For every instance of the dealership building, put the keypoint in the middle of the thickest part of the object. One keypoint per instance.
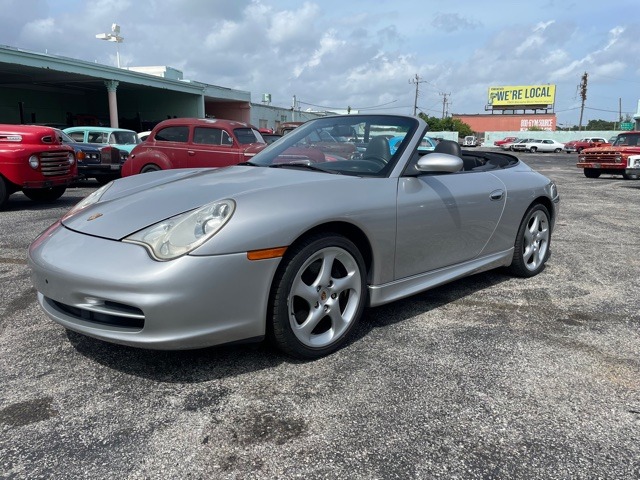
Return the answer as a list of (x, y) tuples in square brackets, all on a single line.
[(60, 91)]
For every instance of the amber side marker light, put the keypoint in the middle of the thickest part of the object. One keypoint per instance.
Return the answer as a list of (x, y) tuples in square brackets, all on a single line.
[(266, 253)]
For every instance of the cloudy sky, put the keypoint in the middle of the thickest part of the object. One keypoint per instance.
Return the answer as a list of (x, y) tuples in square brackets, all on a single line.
[(359, 53)]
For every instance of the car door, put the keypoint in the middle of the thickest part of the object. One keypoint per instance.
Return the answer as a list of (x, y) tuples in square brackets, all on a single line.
[(173, 142), (547, 146), (212, 147), (445, 219)]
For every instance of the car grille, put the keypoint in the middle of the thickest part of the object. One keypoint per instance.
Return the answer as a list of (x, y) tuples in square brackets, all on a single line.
[(110, 313), (54, 163), (613, 157)]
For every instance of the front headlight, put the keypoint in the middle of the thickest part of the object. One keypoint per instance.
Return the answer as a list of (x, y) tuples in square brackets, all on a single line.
[(179, 235)]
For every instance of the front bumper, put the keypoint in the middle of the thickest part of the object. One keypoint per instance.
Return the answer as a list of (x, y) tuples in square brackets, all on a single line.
[(115, 292), (48, 183), (617, 167), (93, 170)]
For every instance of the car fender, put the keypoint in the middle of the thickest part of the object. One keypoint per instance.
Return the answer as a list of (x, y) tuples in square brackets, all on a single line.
[(137, 160)]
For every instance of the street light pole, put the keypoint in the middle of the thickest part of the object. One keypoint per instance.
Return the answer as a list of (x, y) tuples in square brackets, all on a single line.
[(114, 36)]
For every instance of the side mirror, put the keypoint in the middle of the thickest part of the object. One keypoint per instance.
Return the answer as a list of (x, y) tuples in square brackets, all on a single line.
[(439, 162)]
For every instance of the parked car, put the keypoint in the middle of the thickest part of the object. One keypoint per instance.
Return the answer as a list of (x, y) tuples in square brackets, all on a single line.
[(427, 144), (509, 145), (34, 160), (120, 138), (520, 145), (498, 143), (542, 145), (612, 159), (269, 138), (194, 143), (587, 142), (470, 141), (102, 162), (289, 246), (632, 169), (142, 136), (287, 127)]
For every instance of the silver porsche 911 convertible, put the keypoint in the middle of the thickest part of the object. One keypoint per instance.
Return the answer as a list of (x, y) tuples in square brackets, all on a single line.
[(293, 245)]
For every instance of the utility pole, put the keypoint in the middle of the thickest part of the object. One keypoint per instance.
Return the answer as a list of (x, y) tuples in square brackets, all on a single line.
[(293, 108), (583, 96), (417, 81), (620, 109), (445, 111)]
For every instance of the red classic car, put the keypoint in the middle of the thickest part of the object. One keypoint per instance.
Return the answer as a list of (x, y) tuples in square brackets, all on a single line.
[(587, 142), (497, 143), (194, 143), (33, 159)]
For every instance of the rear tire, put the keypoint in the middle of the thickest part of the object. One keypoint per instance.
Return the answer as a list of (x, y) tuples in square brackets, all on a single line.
[(532, 242), (150, 168), (318, 296), (44, 194), (630, 176), (591, 173)]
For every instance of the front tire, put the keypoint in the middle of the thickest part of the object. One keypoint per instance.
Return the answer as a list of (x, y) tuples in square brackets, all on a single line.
[(318, 296), (44, 194), (4, 192), (533, 149), (532, 242), (630, 176), (591, 173)]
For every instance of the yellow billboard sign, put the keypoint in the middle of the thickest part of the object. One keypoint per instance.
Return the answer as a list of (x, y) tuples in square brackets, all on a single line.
[(522, 95)]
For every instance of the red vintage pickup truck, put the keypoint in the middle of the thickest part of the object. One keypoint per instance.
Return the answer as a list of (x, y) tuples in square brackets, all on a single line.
[(612, 159), (35, 161)]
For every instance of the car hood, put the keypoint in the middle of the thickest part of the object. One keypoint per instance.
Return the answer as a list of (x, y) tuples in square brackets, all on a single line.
[(133, 203), (611, 149)]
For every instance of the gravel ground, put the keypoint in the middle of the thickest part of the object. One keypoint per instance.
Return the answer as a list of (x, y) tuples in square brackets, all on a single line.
[(489, 377)]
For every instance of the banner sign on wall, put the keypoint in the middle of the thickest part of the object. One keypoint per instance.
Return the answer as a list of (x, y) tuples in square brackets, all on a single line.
[(522, 95)]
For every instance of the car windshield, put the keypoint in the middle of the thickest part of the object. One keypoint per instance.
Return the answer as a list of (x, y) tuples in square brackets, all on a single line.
[(628, 139), (64, 138), (124, 137), (350, 144), (246, 136)]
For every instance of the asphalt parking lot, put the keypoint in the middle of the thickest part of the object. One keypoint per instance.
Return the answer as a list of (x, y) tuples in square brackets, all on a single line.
[(489, 377)]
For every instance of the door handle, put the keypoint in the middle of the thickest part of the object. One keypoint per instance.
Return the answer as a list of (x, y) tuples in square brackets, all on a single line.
[(496, 195), (191, 152)]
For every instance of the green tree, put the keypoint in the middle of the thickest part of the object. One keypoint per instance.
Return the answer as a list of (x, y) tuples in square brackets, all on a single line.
[(600, 125), (448, 124)]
